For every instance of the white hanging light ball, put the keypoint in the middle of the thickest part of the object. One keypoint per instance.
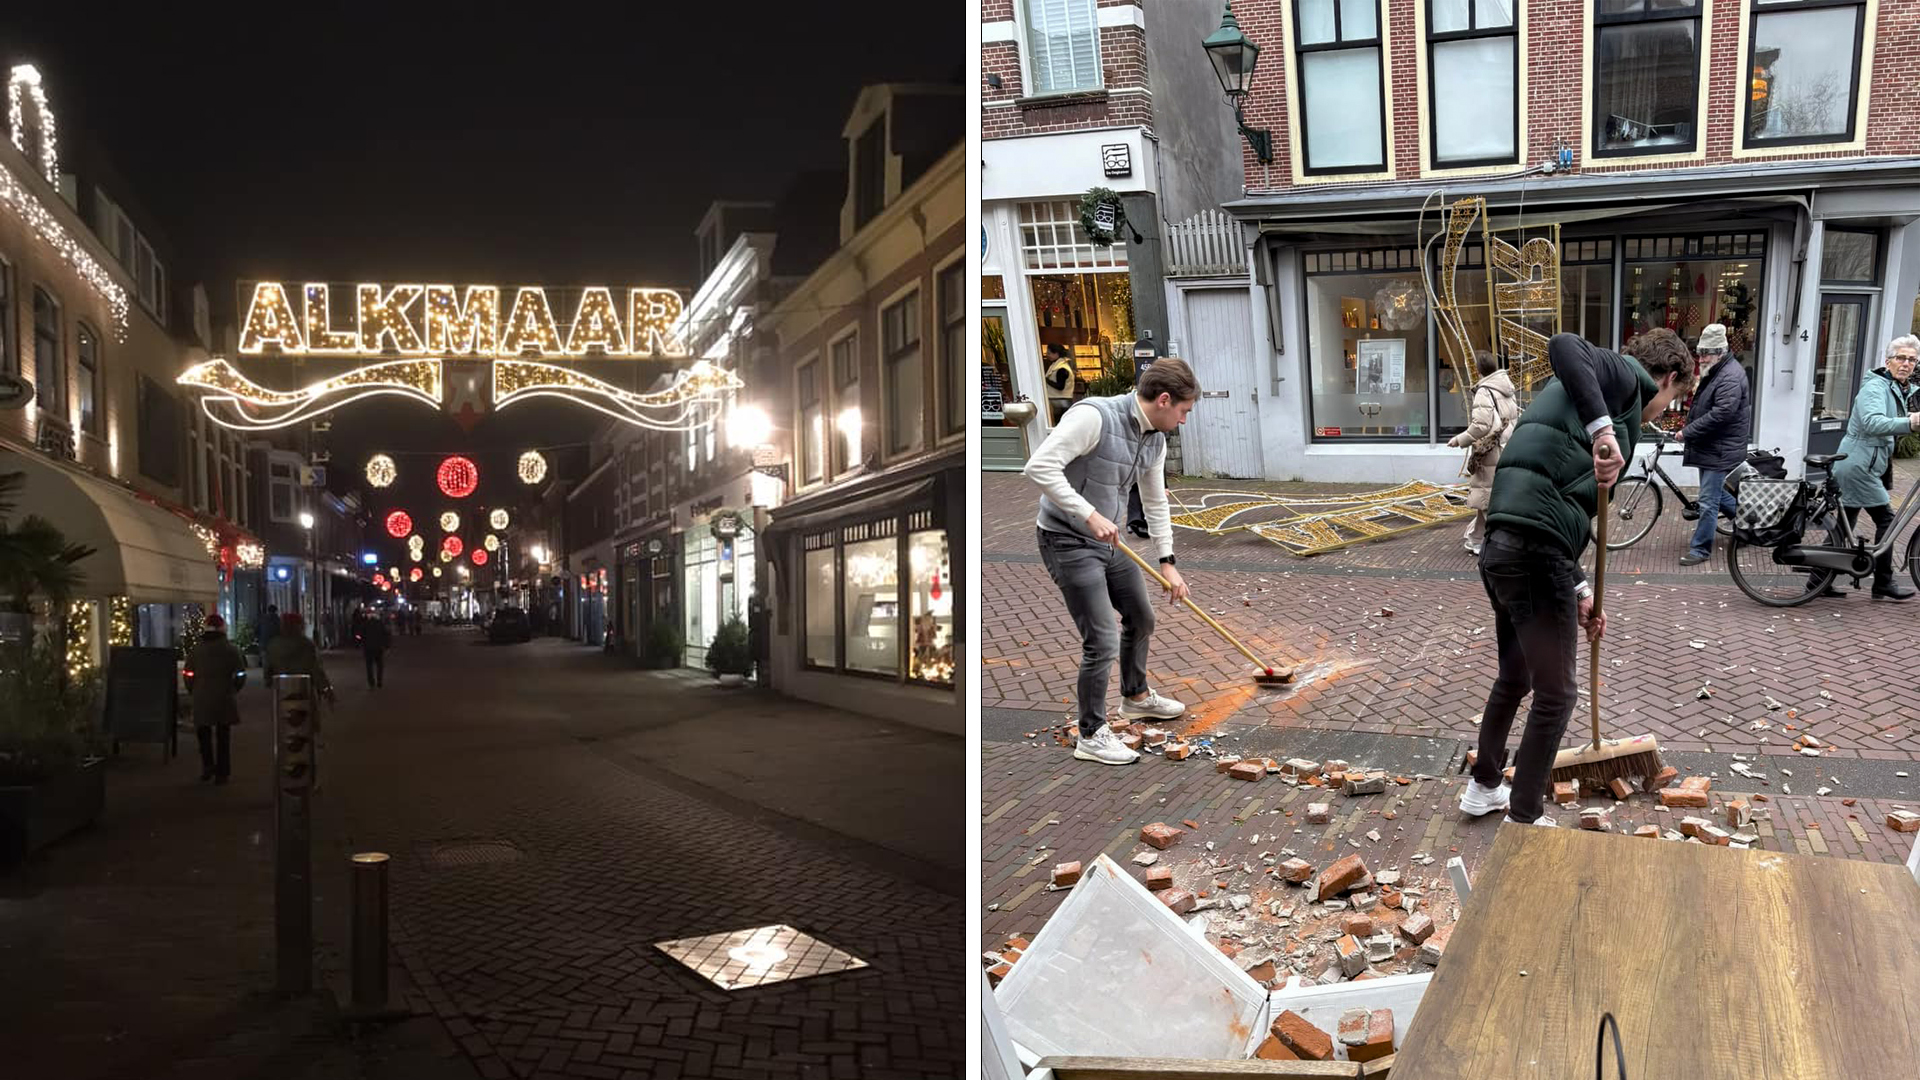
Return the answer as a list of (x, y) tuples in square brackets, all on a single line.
[(381, 470), (533, 467), (449, 522), (498, 519), (416, 555), (491, 543)]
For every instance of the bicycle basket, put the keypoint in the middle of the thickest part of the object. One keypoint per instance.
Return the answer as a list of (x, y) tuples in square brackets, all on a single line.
[(1770, 511)]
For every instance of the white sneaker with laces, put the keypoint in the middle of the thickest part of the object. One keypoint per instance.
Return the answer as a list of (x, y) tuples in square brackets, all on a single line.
[(1104, 747), (1541, 820), (1477, 800), (1151, 706)]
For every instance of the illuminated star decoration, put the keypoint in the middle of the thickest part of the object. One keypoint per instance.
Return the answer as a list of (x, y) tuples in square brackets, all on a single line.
[(533, 467), (667, 410), (399, 524), (233, 400), (449, 522), (498, 519), (458, 477), (381, 470)]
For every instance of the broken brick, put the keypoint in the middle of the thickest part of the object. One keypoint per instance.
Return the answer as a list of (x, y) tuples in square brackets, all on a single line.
[(1302, 1037), (1262, 972), (1272, 1049), (1339, 876), (1702, 784), (1849, 802), (1565, 792), (1247, 770), (1225, 761), (1297, 871), (1352, 1030), (1358, 925), (1379, 1038), (1131, 742), (1353, 958), (1390, 898), (1179, 901), (1190, 823), (1299, 767), (1620, 788), (1335, 765), (1432, 949), (1417, 929), (1319, 813), (1759, 798), (1903, 821), (1652, 831), (1161, 835), (1597, 819), (1694, 826), (1738, 812), (1178, 751), (1066, 873), (998, 972), (1365, 785), (1159, 877), (1714, 834), (1156, 737), (1683, 797), (1667, 775)]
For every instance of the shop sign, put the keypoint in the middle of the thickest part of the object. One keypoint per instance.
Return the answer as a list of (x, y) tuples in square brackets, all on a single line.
[(656, 547), (726, 525), (1326, 432), (1116, 159)]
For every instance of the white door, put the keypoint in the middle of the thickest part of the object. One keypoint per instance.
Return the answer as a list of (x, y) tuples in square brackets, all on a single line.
[(1222, 437)]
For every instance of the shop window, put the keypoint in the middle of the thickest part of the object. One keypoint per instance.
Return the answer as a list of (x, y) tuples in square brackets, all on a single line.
[(996, 367), (821, 584), (1338, 48), (87, 353), (930, 659), (900, 344), (1683, 283), (49, 374), (1063, 46), (844, 439), (1473, 71), (813, 431), (1804, 71), (953, 344), (1367, 344), (1586, 290), (1646, 78), (870, 172), (871, 593), (1849, 257), (1084, 319), (162, 434)]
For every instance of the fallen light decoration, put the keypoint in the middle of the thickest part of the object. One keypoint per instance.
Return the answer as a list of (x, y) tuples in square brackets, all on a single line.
[(232, 400), (381, 470), (399, 524), (458, 477)]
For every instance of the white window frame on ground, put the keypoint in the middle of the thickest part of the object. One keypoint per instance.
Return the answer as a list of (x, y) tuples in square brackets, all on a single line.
[(86, 355), (842, 375), (893, 355), (1341, 42), (1043, 23), (1759, 10), (49, 374), (805, 371), (1648, 13), (950, 344), (899, 527), (1482, 26)]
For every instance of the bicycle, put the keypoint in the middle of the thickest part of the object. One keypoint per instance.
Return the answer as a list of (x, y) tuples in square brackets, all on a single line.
[(1790, 574), (1635, 501)]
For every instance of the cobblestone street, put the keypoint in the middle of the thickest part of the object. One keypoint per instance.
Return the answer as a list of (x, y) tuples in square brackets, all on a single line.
[(1396, 652)]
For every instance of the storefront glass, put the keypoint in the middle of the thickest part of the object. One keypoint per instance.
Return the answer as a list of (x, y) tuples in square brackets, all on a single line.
[(1082, 319), (1683, 283), (719, 577), (931, 657), (820, 583), (1367, 344), (872, 598), (1586, 290)]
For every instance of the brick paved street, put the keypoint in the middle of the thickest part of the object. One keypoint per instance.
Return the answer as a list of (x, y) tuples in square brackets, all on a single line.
[(642, 806), (1403, 693)]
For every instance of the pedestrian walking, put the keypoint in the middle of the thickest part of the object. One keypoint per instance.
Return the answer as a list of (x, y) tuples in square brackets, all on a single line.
[(1715, 434), (1059, 379), (1578, 433), (1100, 448), (1882, 412), (269, 626), (375, 639), (1494, 412), (215, 671)]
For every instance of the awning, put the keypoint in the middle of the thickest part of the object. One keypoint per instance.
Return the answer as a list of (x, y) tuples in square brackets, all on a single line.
[(140, 551), (858, 502)]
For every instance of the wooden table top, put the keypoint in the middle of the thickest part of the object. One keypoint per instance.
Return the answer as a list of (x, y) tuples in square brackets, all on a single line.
[(1717, 963)]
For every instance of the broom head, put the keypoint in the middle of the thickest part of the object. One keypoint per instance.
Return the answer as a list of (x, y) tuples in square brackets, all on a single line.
[(1637, 757)]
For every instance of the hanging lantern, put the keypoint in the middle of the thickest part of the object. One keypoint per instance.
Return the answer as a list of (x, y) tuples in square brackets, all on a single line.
[(498, 519), (381, 471), (399, 524), (458, 477), (491, 543), (479, 557), (449, 522), (533, 467)]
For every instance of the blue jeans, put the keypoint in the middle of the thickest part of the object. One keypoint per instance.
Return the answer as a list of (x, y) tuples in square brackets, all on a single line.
[(1713, 500)]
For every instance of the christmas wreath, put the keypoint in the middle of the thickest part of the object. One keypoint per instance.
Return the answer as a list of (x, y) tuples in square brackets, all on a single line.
[(1101, 215)]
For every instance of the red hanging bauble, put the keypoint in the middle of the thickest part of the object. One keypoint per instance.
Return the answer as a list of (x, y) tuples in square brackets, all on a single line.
[(458, 477), (935, 590), (399, 524), (479, 556), (452, 546)]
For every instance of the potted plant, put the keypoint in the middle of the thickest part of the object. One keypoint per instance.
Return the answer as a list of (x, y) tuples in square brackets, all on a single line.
[(730, 657), (664, 645)]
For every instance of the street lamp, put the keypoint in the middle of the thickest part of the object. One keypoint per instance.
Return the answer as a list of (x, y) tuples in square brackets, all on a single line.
[(1233, 57), (313, 580)]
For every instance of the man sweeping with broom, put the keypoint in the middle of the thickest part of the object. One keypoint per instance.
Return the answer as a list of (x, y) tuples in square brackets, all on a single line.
[(1100, 448), (1578, 433)]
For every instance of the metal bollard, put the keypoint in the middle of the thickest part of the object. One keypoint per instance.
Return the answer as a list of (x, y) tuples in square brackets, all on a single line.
[(369, 932)]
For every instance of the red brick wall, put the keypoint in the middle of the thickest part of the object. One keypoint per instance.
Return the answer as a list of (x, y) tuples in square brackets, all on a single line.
[(1123, 63), (1555, 33)]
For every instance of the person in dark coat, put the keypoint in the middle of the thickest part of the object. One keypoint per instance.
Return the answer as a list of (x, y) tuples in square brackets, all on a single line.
[(215, 670), (269, 627), (1715, 434), (375, 639)]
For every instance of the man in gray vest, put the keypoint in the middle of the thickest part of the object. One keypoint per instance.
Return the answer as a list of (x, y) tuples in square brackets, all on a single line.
[(1100, 448)]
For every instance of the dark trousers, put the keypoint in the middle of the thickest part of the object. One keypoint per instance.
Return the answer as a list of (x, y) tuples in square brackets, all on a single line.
[(1882, 518), (1537, 627), (1136, 514), (216, 748), (376, 666), (1096, 580)]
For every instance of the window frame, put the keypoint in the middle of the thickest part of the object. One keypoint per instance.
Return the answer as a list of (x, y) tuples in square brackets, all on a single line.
[(839, 391), (1754, 9), (1024, 26), (1647, 14), (54, 402), (910, 293), (1877, 263), (1473, 33), (949, 360), (94, 384), (804, 479), (1390, 249), (904, 523), (1378, 43)]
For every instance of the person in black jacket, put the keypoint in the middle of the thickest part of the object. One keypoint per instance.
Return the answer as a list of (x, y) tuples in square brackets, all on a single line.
[(1715, 434), (375, 639)]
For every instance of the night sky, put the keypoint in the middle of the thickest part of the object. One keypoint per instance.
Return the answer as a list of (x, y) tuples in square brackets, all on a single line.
[(559, 144)]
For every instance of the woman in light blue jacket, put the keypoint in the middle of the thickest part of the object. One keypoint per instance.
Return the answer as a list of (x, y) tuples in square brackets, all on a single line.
[(1882, 412)]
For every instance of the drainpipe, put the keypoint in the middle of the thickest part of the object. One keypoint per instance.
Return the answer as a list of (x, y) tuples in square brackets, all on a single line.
[(1802, 227)]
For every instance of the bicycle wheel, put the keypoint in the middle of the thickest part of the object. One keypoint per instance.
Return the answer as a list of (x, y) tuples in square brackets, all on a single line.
[(1913, 558), (1632, 508), (1759, 576)]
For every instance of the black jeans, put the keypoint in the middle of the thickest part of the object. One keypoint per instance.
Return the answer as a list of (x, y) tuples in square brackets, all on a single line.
[(216, 748), (1537, 627), (1136, 513), (1882, 517), (376, 667), (1096, 580)]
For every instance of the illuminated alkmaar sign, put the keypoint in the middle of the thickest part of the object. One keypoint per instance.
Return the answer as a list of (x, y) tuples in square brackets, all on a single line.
[(450, 321)]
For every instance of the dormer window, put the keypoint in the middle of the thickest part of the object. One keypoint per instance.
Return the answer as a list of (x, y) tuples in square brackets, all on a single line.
[(870, 172)]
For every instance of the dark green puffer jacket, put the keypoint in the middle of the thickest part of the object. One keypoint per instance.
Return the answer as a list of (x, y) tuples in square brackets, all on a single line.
[(1544, 482)]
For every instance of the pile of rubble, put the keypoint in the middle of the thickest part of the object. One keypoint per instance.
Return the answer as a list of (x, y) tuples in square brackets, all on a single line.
[(1363, 1035)]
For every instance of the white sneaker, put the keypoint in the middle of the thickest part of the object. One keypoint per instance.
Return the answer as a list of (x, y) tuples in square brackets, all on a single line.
[(1473, 549), (1541, 820), (1477, 800), (1104, 747), (1151, 706)]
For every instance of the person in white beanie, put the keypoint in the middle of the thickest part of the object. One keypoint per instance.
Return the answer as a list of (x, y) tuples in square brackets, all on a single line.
[(1715, 433)]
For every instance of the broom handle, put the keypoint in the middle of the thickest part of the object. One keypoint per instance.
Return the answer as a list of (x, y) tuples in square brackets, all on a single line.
[(1208, 619), (1599, 589)]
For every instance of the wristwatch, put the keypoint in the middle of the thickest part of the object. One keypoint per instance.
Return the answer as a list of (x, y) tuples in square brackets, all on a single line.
[(1166, 560), (1583, 590)]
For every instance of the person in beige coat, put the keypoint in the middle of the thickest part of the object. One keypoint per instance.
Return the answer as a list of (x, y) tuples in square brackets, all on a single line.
[(1494, 413)]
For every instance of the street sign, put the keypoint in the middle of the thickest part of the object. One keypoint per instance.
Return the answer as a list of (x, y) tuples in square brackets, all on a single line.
[(15, 392), (725, 525)]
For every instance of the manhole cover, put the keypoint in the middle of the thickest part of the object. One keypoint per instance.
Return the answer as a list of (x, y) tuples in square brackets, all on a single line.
[(757, 957), (470, 853)]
